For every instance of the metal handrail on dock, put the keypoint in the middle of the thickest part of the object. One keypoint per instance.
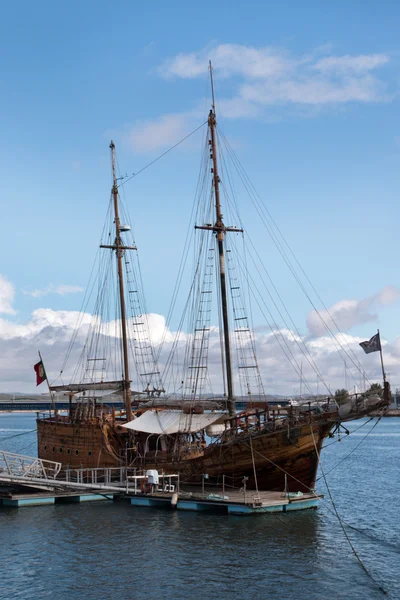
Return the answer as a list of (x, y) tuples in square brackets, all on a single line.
[(116, 475), (19, 465), (122, 476), (154, 489)]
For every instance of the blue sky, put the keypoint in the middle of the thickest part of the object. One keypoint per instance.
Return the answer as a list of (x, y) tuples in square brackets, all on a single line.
[(321, 143)]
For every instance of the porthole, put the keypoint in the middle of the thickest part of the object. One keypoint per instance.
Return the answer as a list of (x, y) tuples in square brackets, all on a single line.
[(45, 447), (61, 450), (68, 451), (90, 453), (54, 449), (76, 452)]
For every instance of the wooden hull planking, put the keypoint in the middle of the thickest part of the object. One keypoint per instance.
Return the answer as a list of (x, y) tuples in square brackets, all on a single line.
[(276, 454), (76, 445)]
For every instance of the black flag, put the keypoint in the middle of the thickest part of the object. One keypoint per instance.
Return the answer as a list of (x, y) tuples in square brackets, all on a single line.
[(372, 345)]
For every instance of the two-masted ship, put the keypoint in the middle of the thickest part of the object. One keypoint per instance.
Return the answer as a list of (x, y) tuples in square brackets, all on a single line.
[(184, 429)]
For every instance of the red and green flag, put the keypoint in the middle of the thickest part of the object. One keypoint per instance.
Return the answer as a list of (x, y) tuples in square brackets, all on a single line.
[(40, 373)]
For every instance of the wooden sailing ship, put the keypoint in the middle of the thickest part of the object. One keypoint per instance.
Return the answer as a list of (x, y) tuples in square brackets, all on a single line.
[(272, 449)]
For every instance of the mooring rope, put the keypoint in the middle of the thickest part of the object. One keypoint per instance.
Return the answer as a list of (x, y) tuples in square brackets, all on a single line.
[(10, 437), (354, 449), (378, 585), (349, 433), (312, 491), (254, 465)]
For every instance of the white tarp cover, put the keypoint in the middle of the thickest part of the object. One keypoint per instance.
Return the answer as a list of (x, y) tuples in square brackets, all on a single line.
[(171, 421)]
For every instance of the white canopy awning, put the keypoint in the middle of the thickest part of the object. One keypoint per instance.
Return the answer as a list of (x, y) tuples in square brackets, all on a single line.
[(171, 421)]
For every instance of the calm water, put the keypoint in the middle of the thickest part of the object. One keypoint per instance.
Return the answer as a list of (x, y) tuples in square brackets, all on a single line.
[(115, 551)]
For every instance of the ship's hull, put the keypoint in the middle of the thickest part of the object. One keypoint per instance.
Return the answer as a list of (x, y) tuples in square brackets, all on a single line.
[(76, 445), (270, 460)]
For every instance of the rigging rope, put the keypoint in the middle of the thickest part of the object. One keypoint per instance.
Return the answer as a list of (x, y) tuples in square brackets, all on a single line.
[(162, 155), (382, 589), (259, 205), (306, 352), (185, 253)]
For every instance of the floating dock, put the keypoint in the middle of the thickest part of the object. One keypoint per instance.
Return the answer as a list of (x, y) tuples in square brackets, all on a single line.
[(231, 503), (30, 481), (19, 500)]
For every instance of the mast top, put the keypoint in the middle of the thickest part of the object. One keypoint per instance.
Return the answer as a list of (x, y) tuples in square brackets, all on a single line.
[(212, 87)]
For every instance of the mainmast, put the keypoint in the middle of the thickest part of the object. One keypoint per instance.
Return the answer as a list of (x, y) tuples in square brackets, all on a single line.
[(220, 229), (120, 249)]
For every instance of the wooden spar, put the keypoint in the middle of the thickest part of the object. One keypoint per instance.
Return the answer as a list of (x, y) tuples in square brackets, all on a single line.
[(119, 253), (220, 230), (81, 387)]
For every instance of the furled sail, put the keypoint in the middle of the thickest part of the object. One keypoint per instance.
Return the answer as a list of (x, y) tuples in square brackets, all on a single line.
[(100, 385), (172, 421)]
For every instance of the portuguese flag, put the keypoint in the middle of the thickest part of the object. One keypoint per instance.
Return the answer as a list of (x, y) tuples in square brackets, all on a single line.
[(40, 373)]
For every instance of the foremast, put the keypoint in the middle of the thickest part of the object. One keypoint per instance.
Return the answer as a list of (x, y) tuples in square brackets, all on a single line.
[(219, 229), (119, 248)]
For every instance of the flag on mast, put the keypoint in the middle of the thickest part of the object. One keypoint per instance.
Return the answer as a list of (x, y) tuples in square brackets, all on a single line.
[(40, 373), (372, 345)]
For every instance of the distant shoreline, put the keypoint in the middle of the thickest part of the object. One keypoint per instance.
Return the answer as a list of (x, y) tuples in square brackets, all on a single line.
[(13, 412)]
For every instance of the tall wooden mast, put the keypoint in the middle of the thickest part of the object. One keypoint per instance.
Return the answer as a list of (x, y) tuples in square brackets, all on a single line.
[(119, 248), (220, 229)]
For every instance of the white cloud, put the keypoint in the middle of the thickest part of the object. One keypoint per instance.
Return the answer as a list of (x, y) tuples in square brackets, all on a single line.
[(166, 130), (238, 107), (284, 77), (63, 321), (312, 91), (262, 78), (273, 76), (348, 313), (387, 295), (229, 60), (7, 293), (51, 331), (360, 63), (60, 290)]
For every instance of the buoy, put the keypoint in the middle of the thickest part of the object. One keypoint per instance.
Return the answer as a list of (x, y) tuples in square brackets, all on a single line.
[(174, 500)]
